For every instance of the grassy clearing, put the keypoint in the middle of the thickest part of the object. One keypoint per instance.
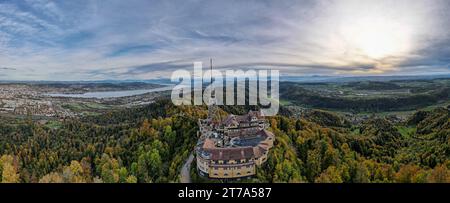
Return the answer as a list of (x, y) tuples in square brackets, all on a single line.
[(284, 102), (78, 107), (53, 124), (406, 131)]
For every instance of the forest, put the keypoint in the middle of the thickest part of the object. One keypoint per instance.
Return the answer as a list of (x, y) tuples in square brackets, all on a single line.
[(127, 146), (149, 144)]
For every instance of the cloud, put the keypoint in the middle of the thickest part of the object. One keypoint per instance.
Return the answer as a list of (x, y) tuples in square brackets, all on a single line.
[(94, 39), (46, 7), (7, 68)]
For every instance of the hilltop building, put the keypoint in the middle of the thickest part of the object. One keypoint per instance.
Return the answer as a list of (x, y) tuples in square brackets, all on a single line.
[(234, 146)]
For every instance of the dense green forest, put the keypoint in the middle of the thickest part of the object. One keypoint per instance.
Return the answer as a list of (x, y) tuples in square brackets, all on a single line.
[(151, 143), (146, 144)]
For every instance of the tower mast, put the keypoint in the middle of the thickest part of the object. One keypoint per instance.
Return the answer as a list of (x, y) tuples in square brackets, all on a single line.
[(212, 102), (213, 90)]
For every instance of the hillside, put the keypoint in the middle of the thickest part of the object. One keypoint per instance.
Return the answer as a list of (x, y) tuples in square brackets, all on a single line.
[(143, 145), (367, 96)]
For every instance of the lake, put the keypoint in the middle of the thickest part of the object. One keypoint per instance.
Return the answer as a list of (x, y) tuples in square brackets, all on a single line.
[(112, 94)]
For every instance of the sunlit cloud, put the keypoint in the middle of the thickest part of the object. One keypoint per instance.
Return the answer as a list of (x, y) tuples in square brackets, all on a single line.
[(137, 39)]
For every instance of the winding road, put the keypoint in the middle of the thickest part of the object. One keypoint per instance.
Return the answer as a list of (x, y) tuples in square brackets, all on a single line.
[(185, 171)]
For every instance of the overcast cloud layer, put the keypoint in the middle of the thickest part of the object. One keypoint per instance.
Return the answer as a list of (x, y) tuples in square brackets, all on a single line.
[(137, 39)]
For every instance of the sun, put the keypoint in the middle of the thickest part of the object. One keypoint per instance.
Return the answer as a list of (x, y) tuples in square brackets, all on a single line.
[(377, 38)]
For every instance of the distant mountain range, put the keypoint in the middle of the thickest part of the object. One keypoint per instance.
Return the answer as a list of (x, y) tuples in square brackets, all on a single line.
[(303, 79), (318, 78)]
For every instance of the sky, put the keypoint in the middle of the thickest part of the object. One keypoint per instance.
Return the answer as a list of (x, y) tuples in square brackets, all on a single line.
[(144, 39)]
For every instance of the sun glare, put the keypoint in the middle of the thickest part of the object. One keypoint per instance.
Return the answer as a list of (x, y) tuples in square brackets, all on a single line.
[(377, 38)]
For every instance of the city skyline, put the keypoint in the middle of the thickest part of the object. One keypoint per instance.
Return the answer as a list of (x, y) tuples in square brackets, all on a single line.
[(98, 40)]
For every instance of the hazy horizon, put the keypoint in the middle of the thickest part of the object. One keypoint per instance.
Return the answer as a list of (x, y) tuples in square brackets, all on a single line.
[(287, 78)]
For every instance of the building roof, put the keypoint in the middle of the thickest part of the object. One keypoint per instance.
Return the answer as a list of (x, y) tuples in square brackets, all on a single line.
[(231, 153), (265, 133), (236, 119), (243, 132), (237, 153), (208, 144), (230, 120), (254, 141), (258, 151), (256, 114)]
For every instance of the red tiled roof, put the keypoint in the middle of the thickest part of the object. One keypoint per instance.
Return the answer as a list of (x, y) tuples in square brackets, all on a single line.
[(208, 144)]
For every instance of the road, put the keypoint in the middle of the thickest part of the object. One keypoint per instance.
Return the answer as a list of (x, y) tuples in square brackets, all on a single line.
[(185, 171)]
